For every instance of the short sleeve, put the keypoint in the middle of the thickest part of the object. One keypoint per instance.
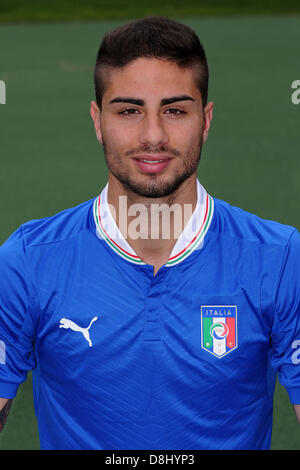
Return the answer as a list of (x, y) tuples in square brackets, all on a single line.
[(286, 326), (16, 325)]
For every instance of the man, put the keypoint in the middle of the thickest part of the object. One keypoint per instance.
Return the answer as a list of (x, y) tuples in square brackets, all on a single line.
[(153, 316)]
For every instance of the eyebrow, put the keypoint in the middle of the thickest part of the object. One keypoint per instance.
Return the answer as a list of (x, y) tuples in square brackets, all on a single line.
[(140, 102)]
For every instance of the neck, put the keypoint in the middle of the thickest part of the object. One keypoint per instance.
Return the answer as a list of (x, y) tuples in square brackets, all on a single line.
[(152, 226)]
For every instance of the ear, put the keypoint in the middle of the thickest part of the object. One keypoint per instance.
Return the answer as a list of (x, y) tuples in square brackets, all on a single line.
[(208, 115), (95, 115)]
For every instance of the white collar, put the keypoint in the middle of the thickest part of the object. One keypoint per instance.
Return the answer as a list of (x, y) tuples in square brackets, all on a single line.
[(190, 239)]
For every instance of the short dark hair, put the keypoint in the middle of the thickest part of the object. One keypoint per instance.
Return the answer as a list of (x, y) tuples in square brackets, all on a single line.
[(155, 37)]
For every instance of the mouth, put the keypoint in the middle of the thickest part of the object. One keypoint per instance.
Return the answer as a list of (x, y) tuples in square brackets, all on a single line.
[(152, 163)]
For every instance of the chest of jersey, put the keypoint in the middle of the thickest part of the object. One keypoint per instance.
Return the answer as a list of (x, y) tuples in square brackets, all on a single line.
[(146, 350)]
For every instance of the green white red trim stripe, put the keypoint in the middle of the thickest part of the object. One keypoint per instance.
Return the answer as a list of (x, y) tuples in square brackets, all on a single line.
[(198, 238), (117, 247), (189, 240)]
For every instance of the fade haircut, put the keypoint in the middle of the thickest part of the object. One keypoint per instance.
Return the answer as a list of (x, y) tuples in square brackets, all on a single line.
[(154, 37)]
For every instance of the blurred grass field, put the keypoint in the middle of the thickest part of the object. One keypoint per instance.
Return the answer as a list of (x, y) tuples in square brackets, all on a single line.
[(50, 159), (76, 10)]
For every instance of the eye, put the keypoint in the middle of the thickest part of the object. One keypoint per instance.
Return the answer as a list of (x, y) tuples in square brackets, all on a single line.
[(127, 111), (175, 111)]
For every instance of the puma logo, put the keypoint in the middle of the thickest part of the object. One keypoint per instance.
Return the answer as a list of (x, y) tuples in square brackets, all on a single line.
[(66, 323)]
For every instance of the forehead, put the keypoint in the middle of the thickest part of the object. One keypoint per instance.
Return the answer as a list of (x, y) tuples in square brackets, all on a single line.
[(149, 77)]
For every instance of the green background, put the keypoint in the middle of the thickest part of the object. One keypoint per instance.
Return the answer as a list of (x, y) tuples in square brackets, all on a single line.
[(51, 160)]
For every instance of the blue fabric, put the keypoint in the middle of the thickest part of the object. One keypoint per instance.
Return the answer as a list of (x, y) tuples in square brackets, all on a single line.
[(141, 377)]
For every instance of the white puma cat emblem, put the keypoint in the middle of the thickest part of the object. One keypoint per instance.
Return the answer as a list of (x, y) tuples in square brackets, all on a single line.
[(66, 323)]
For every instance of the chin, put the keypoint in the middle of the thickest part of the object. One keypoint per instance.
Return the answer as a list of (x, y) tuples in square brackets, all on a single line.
[(154, 187)]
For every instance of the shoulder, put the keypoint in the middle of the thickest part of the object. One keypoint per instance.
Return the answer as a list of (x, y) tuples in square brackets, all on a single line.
[(61, 226), (234, 222)]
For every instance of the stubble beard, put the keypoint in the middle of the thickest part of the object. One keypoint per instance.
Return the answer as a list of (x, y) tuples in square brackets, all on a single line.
[(154, 185)]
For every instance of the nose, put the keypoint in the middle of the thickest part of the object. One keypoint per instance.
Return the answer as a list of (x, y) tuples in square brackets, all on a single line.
[(153, 132)]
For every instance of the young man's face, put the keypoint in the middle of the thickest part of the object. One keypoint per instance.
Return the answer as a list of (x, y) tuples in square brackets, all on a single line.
[(152, 145)]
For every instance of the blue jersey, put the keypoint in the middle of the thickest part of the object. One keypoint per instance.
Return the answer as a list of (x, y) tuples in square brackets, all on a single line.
[(123, 359)]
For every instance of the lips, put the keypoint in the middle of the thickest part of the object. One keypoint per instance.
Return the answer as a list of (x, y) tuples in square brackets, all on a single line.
[(152, 163)]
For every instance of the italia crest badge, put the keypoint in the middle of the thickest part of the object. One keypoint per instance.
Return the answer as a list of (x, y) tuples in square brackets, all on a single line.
[(219, 329)]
